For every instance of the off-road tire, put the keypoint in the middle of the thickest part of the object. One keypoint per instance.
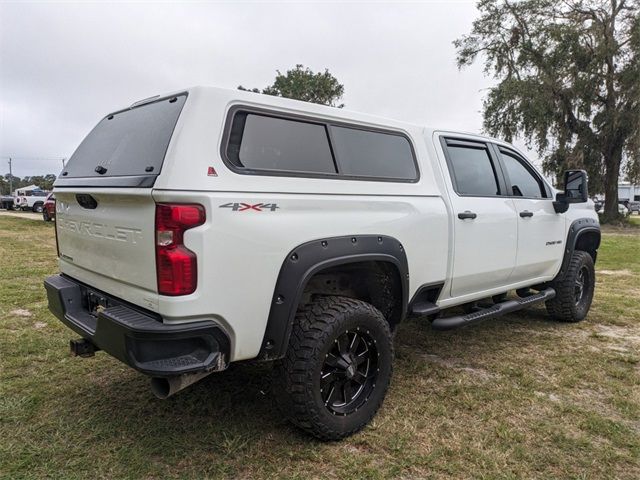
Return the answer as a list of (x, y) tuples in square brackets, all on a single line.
[(38, 207), (45, 215), (565, 307), (296, 378)]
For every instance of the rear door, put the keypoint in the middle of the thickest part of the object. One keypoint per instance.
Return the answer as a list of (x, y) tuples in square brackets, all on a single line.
[(105, 212), (540, 228), (485, 226)]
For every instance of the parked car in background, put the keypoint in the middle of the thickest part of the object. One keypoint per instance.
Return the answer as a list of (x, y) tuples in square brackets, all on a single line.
[(597, 203), (6, 202), (633, 207), (49, 208), (622, 210), (29, 198)]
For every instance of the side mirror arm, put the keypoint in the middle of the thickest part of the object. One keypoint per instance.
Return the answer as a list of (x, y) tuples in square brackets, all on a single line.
[(560, 204)]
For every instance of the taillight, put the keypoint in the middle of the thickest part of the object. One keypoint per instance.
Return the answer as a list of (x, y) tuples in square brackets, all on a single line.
[(176, 265)]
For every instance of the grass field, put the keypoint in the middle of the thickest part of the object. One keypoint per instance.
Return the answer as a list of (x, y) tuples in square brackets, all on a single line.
[(516, 397)]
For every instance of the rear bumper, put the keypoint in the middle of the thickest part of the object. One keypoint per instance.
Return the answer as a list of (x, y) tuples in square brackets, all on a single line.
[(136, 337)]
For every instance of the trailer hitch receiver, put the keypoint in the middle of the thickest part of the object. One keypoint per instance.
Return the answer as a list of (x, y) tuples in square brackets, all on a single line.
[(82, 348)]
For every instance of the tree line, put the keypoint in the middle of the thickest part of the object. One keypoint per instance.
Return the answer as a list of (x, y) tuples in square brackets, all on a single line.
[(45, 182)]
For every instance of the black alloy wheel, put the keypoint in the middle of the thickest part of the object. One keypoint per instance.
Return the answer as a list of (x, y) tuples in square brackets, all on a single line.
[(349, 372)]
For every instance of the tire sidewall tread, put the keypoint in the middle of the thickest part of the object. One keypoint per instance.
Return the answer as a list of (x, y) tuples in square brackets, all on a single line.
[(563, 307), (296, 376)]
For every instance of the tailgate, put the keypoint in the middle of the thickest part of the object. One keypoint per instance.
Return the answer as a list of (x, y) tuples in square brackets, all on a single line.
[(106, 239)]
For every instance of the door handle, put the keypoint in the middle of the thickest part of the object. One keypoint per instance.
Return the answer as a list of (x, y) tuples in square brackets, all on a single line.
[(526, 213), (466, 214)]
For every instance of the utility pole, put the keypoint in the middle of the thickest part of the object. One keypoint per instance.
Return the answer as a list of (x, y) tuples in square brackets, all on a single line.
[(10, 178)]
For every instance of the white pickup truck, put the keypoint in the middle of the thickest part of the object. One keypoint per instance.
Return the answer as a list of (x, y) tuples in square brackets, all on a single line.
[(29, 199), (210, 226)]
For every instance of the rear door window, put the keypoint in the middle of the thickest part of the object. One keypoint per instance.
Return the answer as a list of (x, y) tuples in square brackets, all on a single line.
[(472, 169), (131, 142)]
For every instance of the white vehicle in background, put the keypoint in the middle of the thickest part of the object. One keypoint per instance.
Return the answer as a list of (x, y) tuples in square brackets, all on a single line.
[(29, 198), (622, 210), (211, 226)]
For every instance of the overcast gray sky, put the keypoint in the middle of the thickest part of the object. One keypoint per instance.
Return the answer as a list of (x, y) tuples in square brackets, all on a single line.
[(63, 65)]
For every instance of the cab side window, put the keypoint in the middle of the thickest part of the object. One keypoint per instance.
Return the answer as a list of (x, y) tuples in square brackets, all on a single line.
[(472, 169), (524, 183)]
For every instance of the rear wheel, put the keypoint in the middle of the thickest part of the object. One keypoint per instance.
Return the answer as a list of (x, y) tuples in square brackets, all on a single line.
[(337, 369), (574, 291), (45, 215)]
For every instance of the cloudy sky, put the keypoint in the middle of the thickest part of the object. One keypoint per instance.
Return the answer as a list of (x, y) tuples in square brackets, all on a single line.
[(65, 64)]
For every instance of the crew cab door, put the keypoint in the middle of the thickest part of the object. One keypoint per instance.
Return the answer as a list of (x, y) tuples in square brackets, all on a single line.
[(540, 228), (485, 221)]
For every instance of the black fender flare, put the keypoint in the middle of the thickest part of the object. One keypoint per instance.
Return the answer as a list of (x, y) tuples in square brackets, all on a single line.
[(310, 258), (578, 228)]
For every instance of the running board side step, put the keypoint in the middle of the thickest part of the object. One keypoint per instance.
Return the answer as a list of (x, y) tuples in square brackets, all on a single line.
[(424, 308), (497, 310)]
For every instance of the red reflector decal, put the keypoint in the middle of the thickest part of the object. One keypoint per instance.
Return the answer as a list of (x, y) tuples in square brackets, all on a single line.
[(211, 172)]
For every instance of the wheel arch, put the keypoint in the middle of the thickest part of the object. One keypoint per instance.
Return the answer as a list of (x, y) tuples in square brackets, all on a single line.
[(584, 234), (366, 254)]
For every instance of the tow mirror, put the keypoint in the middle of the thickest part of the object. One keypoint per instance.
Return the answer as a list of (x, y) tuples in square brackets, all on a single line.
[(575, 190), (575, 186)]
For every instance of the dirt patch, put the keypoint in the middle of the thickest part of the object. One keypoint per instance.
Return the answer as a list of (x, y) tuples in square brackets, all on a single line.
[(552, 397), (39, 325), (623, 273), (477, 372), (27, 215), (20, 312), (618, 333)]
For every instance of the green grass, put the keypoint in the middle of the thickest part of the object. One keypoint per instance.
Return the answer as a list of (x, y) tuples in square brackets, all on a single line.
[(516, 397)]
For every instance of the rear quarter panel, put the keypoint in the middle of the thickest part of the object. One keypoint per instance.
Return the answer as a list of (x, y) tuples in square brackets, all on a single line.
[(240, 253)]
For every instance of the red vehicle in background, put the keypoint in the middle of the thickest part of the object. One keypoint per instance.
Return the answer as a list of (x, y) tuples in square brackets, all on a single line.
[(49, 208)]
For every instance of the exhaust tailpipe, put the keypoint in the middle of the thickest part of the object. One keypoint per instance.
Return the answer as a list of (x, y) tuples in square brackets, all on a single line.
[(166, 387)]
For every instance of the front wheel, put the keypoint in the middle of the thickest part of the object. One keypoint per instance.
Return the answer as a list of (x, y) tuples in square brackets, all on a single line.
[(574, 291), (337, 369), (38, 207)]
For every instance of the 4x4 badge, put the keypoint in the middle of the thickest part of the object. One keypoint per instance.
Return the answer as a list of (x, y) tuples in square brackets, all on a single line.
[(243, 207)]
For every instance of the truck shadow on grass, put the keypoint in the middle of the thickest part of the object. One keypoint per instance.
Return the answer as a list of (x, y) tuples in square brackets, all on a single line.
[(231, 414)]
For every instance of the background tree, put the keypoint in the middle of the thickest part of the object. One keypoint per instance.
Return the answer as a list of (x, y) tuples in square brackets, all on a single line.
[(303, 84), (568, 82), (45, 182)]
